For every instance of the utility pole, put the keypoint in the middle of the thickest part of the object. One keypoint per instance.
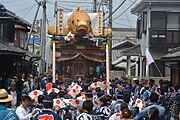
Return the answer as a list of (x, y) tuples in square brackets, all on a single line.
[(110, 26), (31, 30), (43, 39), (95, 6)]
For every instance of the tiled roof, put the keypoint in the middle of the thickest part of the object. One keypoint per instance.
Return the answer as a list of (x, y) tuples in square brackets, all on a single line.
[(7, 13), (9, 48), (173, 55), (134, 51)]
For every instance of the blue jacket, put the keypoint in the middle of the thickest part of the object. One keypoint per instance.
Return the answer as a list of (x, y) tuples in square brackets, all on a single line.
[(47, 115), (144, 113), (7, 114)]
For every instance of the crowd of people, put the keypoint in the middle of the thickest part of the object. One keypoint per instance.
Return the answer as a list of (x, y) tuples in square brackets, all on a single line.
[(38, 98)]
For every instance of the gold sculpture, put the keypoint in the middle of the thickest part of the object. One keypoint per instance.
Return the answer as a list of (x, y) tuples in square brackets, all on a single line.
[(79, 22)]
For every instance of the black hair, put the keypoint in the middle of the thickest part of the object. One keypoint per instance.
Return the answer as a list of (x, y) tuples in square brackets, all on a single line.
[(126, 113), (108, 98), (53, 95), (136, 81), (61, 94), (153, 114), (164, 88), (88, 106), (146, 87), (89, 94), (103, 99), (123, 106), (126, 98), (119, 95), (161, 82), (100, 94), (48, 103), (41, 98), (153, 97), (98, 89), (177, 86), (25, 97)]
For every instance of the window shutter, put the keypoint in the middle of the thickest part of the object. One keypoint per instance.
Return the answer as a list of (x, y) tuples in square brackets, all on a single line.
[(158, 20)]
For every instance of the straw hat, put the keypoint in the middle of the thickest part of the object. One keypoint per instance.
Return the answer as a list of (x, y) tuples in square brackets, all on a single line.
[(4, 96), (31, 76), (135, 79)]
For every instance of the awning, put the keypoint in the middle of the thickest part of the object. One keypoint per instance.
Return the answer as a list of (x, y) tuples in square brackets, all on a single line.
[(8, 48), (32, 56), (91, 58)]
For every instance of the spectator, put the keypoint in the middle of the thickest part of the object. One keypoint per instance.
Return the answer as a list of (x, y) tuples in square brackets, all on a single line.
[(23, 111), (154, 101), (153, 114), (15, 96), (136, 90), (126, 114), (47, 113), (4, 100), (29, 84), (40, 102)]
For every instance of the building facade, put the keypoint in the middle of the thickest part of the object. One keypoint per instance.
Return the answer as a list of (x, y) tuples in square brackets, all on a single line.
[(123, 40), (158, 28), (13, 36)]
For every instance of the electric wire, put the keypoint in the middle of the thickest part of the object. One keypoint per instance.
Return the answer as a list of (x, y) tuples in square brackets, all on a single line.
[(128, 19), (19, 11), (10, 1), (132, 2), (125, 10), (28, 11), (115, 10), (123, 24), (75, 2)]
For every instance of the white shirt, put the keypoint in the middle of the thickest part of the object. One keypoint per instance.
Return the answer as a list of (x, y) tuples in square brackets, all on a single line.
[(23, 114), (14, 100)]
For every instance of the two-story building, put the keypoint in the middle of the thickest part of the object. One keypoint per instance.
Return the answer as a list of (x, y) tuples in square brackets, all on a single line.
[(13, 35), (158, 28)]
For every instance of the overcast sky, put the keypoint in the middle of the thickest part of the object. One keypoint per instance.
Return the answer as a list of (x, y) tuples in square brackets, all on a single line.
[(26, 9)]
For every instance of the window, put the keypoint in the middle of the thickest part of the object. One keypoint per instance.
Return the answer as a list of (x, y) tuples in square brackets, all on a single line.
[(22, 39), (158, 34), (144, 21), (173, 21), (138, 28), (7, 30), (141, 24), (158, 20)]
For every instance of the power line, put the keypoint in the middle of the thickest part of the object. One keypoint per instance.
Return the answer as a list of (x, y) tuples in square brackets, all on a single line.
[(123, 24), (125, 10), (74, 5), (132, 2), (58, 5), (75, 2), (64, 7), (27, 10), (19, 11), (127, 18), (10, 1), (115, 10)]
